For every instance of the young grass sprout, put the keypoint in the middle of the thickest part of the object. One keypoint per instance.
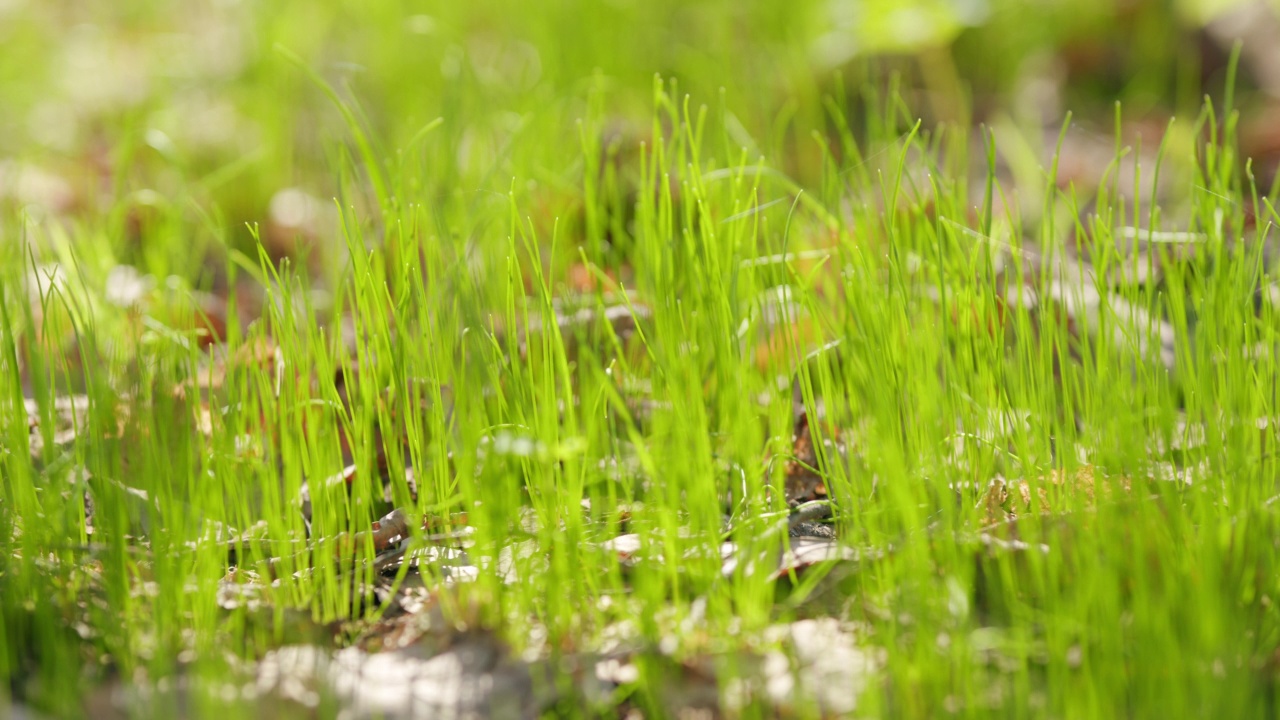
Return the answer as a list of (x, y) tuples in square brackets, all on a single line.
[(658, 417)]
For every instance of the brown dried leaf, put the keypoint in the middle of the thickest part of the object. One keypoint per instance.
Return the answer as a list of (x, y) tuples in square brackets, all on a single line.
[(803, 481), (1003, 502)]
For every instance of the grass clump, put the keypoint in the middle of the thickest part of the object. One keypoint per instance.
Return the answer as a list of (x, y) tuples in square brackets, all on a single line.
[(605, 393)]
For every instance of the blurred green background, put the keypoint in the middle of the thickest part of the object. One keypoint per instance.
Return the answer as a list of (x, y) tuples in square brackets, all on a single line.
[(181, 110)]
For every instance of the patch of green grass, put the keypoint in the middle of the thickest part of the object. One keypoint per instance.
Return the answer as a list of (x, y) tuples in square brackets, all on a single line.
[(551, 298)]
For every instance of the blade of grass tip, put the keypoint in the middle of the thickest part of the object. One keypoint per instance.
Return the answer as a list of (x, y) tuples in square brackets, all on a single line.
[(788, 322), (1153, 219), (244, 262), (829, 189), (810, 203), (891, 224), (1051, 194), (84, 327), (227, 172), (365, 146), (1117, 200), (422, 134), (1233, 67), (1209, 161), (988, 194), (849, 145)]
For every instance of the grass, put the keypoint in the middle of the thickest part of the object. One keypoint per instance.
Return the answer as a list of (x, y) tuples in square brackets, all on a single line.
[(570, 299)]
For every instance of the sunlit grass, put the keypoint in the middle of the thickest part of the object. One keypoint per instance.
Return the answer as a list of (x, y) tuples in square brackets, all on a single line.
[(593, 317)]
